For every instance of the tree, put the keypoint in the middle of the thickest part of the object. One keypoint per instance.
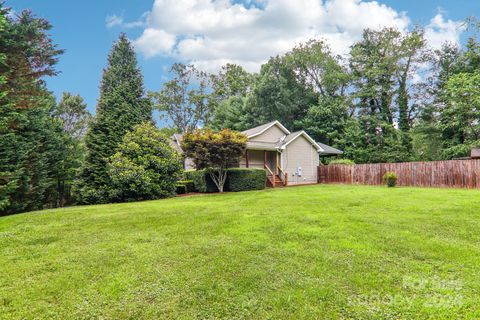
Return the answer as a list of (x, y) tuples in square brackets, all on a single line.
[(412, 55), (72, 110), (382, 65), (232, 114), (214, 151), (145, 166), (72, 113), (327, 121), (461, 117), (29, 144), (121, 106), (184, 99), (278, 95), (319, 69), (232, 81), (230, 88)]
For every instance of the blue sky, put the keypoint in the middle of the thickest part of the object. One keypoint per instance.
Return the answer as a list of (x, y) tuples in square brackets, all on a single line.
[(211, 34)]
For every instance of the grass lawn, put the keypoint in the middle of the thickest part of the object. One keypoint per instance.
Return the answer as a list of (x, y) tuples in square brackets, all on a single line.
[(321, 251)]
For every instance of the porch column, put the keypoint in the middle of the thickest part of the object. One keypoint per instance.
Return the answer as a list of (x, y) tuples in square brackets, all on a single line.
[(246, 158), (276, 162), (264, 158)]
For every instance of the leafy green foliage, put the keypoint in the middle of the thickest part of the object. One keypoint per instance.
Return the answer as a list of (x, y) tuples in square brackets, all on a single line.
[(31, 140), (214, 151), (180, 188), (72, 113), (72, 110), (145, 166), (278, 95), (121, 106), (202, 181), (461, 117), (184, 99), (342, 161), (240, 179), (188, 184), (390, 179)]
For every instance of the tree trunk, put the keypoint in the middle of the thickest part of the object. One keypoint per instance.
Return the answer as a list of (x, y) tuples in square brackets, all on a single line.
[(219, 178)]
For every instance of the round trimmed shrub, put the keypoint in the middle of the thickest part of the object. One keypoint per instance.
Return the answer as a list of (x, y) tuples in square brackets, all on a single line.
[(145, 166), (390, 179)]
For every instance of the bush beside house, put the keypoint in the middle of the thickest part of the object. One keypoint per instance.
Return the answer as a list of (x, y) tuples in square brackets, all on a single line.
[(238, 179), (202, 182)]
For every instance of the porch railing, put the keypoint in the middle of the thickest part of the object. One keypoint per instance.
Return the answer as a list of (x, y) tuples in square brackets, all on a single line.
[(283, 175)]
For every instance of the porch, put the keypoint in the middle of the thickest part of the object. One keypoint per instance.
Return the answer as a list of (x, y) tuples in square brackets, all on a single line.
[(270, 161)]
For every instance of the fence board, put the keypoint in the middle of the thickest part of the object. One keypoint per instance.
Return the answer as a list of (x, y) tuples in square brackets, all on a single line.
[(448, 174)]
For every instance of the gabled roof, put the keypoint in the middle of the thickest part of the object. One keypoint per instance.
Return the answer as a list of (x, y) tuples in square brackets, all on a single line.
[(175, 140), (292, 136), (321, 148), (253, 132), (328, 149)]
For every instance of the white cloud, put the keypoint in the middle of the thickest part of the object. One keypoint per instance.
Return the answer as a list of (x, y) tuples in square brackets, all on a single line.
[(155, 41), (210, 33), (439, 31), (115, 20)]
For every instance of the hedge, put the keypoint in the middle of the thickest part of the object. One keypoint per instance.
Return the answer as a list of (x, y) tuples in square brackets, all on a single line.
[(181, 188), (185, 186), (189, 186), (201, 181), (238, 179)]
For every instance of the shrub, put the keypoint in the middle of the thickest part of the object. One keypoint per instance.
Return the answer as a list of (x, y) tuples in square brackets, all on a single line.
[(145, 166), (390, 179), (181, 188), (214, 151), (240, 179), (202, 182), (189, 187), (342, 161)]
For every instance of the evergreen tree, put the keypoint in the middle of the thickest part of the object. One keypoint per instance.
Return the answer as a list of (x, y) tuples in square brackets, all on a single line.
[(29, 135), (121, 106)]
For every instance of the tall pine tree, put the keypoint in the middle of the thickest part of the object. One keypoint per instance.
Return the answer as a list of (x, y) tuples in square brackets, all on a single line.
[(122, 105), (29, 136)]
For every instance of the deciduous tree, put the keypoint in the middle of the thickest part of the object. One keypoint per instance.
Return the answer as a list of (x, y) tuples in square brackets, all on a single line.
[(214, 151), (184, 99)]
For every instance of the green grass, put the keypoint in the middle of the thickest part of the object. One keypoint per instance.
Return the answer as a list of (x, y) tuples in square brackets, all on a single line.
[(305, 252)]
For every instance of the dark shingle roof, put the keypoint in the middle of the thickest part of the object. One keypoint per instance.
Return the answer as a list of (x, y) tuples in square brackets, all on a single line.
[(328, 149)]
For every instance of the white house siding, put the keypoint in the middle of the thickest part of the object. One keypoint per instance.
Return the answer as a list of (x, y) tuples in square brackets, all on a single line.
[(272, 134), (300, 153)]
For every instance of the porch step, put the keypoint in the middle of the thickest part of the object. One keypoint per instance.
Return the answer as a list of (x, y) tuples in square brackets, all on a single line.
[(278, 181)]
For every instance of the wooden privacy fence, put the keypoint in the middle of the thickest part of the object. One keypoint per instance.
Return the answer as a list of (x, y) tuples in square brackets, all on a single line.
[(449, 174)]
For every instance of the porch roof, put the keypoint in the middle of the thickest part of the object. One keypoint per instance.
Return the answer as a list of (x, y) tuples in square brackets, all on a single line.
[(261, 145)]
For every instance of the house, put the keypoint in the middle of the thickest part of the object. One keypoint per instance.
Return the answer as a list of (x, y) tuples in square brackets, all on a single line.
[(287, 157)]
